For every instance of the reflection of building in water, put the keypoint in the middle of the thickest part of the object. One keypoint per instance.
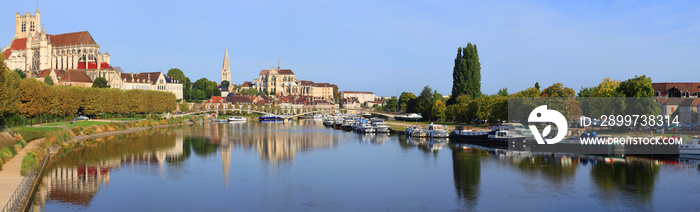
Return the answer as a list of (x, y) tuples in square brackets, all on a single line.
[(78, 184), (273, 142), (226, 161)]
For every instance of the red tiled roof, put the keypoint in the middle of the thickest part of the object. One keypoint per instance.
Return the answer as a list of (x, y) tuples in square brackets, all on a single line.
[(47, 72), (358, 92), (141, 77), (694, 102), (280, 71), (72, 39), (238, 99), (690, 87), (17, 44), (306, 83), (322, 85), (216, 99), (75, 76), (247, 84)]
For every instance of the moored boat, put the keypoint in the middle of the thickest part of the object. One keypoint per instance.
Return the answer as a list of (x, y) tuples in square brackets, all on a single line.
[(270, 118), (380, 127), (437, 131), (690, 148), (236, 119), (415, 131), (467, 133)]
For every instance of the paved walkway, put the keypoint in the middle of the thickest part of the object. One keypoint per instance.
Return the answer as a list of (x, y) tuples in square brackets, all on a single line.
[(10, 174)]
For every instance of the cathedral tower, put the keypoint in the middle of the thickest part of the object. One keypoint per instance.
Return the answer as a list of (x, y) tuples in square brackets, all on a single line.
[(226, 69)]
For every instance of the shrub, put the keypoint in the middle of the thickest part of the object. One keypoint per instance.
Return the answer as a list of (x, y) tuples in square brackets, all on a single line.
[(27, 162), (76, 130)]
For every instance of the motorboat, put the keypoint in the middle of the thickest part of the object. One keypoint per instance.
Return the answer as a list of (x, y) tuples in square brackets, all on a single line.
[(501, 133), (690, 148), (270, 118), (380, 127), (328, 122), (469, 134), (415, 131), (236, 119), (437, 131), (365, 128), (409, 117)]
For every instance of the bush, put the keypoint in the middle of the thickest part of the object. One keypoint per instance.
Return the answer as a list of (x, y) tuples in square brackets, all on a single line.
[(76, 130), (27, 162)]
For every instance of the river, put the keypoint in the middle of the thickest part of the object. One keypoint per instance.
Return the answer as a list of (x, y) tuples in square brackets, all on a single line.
[(304, 166)]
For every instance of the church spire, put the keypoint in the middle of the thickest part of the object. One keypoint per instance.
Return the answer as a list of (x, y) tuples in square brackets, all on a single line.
[(278, 63), (226, 69)]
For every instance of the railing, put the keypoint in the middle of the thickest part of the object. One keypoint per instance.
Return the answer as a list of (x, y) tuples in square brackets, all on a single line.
[(19, 198)]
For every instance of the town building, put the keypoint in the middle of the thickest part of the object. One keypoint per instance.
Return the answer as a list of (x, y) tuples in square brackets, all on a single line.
[(688, 110), (156, 81), (362, 96), (676, 89)]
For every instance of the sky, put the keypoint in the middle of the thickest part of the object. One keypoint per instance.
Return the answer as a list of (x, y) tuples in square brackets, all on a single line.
[(385, 46)]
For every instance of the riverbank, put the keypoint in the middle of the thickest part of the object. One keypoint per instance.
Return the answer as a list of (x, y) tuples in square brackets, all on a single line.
[(12, 173)]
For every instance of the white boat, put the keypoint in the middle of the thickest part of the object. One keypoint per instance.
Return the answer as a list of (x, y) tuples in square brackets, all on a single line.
[(415, 131), (317, 117), (380, 127), (236, 119), (329, 121), (409, 117), (437, 131), (365, 128), (690, 148)]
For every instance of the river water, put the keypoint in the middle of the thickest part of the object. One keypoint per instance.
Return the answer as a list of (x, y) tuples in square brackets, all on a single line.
[(303, 166)]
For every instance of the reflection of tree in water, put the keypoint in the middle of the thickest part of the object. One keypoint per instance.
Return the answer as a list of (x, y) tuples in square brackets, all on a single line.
[(467, 175), (114, 147), (556, 169), (630, 184), (200, 146)]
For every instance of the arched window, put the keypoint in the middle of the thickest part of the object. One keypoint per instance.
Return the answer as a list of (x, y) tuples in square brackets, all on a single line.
[(659, 94), (687, 94)]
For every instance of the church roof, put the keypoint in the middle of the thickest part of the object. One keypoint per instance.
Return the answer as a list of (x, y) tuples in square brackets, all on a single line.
[(65, 39), (17, 44), (280, 71), (103, 65), (72, 39), (75, 76)]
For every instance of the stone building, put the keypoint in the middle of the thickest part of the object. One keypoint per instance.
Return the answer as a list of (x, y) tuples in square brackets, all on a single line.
[(281, 82), (32, 50), (362, 96)]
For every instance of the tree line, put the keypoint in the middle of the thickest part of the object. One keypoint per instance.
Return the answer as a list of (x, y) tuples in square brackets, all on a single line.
[(31, 98), (467, 103)]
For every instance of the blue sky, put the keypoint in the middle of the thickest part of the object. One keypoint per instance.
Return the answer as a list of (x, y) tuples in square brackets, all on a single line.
[(384, 45)]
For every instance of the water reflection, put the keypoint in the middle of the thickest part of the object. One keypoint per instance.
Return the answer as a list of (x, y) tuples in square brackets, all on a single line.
[(415, 169)]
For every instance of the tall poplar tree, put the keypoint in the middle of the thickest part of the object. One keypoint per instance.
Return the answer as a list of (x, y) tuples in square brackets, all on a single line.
[(466, 74)]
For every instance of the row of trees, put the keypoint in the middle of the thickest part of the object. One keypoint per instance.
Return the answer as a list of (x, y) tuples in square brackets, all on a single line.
[(31, 98)]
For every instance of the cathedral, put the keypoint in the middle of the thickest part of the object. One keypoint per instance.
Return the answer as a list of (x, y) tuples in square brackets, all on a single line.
[(32, 50)]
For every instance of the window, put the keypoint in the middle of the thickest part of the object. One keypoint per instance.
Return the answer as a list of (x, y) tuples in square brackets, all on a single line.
[(24, 26)]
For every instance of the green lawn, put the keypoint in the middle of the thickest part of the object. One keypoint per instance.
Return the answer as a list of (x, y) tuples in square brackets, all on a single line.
[(78, 123), (126, 119), (31, 133)]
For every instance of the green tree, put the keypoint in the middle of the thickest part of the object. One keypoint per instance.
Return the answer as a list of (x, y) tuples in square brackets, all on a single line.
[(264, 92), (336, 93), (225, 83), (176, 74), (438, 110), (530, 92), (391, 104), (201, 84), (9, 91), (208, 91), (503, 92), (426, 93), (639, 86), (100, 82), (404, 99), (587, 91), (48, 80), (537, 85), (558, 90), (466, 73), (436, 96), (20, 74)]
